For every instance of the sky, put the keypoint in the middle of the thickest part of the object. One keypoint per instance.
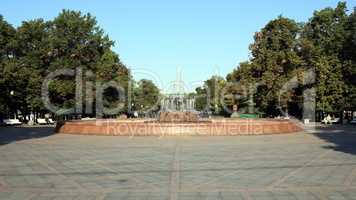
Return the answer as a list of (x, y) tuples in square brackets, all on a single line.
[(157, 38)]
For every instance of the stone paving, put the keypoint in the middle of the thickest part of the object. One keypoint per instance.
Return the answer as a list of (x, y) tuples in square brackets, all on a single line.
[(320, 164)]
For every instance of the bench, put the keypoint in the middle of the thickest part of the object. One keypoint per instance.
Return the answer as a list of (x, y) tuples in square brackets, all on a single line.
[(331, 121), (51, 121), (12, 122), (41, 121)]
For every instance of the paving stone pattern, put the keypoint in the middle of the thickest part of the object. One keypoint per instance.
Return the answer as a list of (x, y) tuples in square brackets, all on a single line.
[(320, 164)]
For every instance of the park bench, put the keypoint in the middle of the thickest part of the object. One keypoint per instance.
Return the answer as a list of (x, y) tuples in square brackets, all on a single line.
[(12, 122), (42, 121)]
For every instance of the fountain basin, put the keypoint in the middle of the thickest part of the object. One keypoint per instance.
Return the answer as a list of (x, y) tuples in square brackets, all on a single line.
[(178, 117), (215, 127)]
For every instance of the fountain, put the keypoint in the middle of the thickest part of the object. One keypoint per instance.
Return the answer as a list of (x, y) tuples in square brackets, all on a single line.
[(178, 117), (178, 108), (178, 102)]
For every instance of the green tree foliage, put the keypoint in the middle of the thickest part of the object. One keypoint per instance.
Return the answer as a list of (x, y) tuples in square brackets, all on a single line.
[(146, 96), (284, 50), (323, 39), (349, 56), (7, 33), (274, 61), (76, 41), (70, 41), (111, 69), (241, 85), (208, 97), (201, 101), (30, 64)]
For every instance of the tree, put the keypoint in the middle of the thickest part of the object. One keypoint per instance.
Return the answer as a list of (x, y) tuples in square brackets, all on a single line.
[(72, 40), (349, 56), (241, 88), (76, 41), (146, 96), (215, 86), (30, 63), (209, 96), (284, 50), (111, 69), (323, 38), (274, 62), (7, 33), (201, 101)]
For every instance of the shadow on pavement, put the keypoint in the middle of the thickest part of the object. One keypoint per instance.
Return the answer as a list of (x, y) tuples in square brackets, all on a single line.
[(14, 134), (341, 137)]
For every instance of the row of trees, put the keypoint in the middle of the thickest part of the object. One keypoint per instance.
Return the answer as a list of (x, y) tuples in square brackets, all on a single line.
[(72, 40), (285, 50)]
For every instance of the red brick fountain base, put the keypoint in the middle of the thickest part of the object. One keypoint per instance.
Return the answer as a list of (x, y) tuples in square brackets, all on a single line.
[(216, 127)]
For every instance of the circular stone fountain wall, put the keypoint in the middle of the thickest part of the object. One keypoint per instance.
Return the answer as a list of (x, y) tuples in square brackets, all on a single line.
[(221, 127)]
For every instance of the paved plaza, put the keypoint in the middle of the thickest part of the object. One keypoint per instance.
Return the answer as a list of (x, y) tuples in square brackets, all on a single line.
[(35, 164)]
